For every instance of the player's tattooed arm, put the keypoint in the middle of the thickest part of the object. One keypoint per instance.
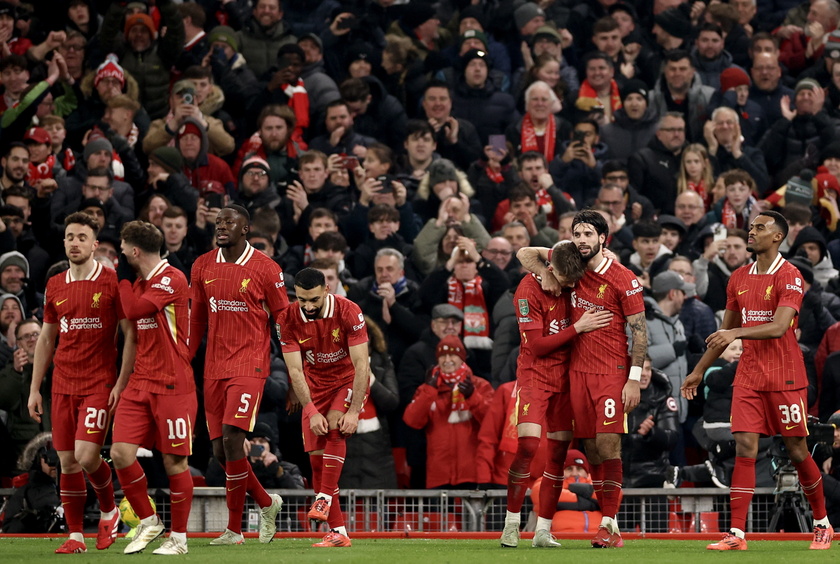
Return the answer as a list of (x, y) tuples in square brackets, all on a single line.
[(638, 334), (533, 259)]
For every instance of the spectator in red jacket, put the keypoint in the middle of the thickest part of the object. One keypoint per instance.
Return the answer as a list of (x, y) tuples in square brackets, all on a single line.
[(450, 406)]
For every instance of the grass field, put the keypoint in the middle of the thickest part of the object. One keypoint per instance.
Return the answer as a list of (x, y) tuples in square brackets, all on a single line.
[(409, 551)]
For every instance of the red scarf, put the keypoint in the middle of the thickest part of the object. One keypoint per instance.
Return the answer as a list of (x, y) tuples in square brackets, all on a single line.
[(299, 103), (40, 171), (588, 98), (529, 137), (469, 298), (700, 188), (457, 399), (732, 219)]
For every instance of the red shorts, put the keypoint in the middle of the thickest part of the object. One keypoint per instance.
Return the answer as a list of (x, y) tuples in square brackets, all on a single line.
[(335, 401), (769, 413), (552, 410), (596, 404), (232, 401), (79, 418), (156, 421)]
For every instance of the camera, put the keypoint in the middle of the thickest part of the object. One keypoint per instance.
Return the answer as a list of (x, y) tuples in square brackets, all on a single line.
[(256, 451), (783, 470), (187, 96), (387, 186)]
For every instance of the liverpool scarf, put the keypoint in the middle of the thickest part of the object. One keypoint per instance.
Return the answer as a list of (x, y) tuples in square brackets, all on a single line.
[(529, 137), (469, 298)]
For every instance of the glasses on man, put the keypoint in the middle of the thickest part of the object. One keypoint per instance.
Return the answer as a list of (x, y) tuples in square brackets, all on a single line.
[(72, 47), (498, 252), (256, 173), (673, 129), (30, 336)]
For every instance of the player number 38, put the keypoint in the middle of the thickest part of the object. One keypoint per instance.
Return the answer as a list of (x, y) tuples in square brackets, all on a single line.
[(791, 413)]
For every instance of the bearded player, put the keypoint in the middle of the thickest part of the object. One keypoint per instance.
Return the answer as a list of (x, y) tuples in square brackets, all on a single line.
[(236, 293), (324, 341), (158, 407), (770, 387), (542, 388), (604, 378), (82, 305)]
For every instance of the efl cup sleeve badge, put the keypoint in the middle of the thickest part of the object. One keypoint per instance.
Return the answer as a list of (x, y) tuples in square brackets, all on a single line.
[(524, 308)]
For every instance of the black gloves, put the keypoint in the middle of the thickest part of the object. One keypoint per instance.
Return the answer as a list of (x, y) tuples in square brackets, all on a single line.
[(467, 387), (432, 377)]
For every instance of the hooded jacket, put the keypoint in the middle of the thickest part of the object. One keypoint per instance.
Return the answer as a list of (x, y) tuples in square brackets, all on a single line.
[(709, 70), (488, 109), (259, 45), (664, 332), (385, 118), (624, 135), (207, 173), (824, 270)]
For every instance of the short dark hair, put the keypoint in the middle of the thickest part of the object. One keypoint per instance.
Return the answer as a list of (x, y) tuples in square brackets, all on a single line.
[(418, 128), (646, 229), (383, 212), (597, 55), (318, 213), (323, 264), (330, 241), (763, 36), (605, 24), (334, 104), (173, 212), (143, 235), (740, 233), (24, 322), (593, 218), (437, 83), (532, 156), (13, 60), (309, 278), (240, 210), (354, 90), (291, 49), (81, 218), (522, 191), (613, 166), (713, 27), (780, 221), (589, 121), (197, 72), (14, 145), (24, 192), (102, 171), (794, 212), (675, 55), (283, 112), (195, 12)]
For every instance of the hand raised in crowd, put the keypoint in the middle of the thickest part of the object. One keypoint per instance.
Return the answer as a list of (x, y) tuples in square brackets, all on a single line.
[(45, 186), (468, 246), (786, 31), (432, 376), (784, 105), (20, 359), (336, 135), (400, 193), (714, 249), (709, 136), (387, 293), (338, 30), (367, 189), (495, 156), (646, 426), (296, 193), (467, 387)]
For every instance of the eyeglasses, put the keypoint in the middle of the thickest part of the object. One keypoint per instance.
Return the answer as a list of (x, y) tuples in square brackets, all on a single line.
[(97, 188), (27, 336), (672, 129), (688, 206), (72, 47), (497, 252), (256, 173)]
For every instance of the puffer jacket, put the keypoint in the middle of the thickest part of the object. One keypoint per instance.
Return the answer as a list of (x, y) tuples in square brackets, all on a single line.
[(663, 332), (259, 46), (488, 109), (645, 457), (624, 136)]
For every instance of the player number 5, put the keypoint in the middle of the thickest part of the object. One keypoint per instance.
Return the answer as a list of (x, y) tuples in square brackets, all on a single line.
[(96, 418), (791, 413), (246, 403), (177, 428)]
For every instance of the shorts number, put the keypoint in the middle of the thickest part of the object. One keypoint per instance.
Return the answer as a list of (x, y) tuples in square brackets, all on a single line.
[(349, 395), (96, 418), (177, 428), (246, 403), (609, 408), (791, 413)]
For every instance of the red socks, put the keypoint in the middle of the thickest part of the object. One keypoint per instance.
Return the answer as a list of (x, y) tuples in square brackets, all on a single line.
[(236, 472), (180, 497), (258, 493), (552, 484), (135, 487), (317, 463), (334, 455), (812, 486), (742, 490), (611, 493), (103, 485), (73, 492), (597, 476), (519, 474)]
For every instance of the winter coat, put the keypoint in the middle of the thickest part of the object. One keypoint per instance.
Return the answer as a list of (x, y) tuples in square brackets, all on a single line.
[(488, 109), (385, 118), (645, 457), (68, 197), (824, 270), (427, 205), (319, 86), (151, 67), (369, 462), (466, 150), (709, 71), (345, 145), (221, 142), (751, 116), (751, 162), (451, 447), (653, 172), (664, 332), (177, 190), (576, 177), (711, 281), (770, 101), (563, 131), (718, 381), (259, 46), (787, 140), (240, 87), (362, 261), (505, 337), (814, 317), (624, 135), (699, 98), (14, 400)]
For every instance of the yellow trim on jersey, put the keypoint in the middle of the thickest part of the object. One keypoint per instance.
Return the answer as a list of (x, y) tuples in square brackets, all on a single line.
[(189, 433), (171, 321), (625, 424)]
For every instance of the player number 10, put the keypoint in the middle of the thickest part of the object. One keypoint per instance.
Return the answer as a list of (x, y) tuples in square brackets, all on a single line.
[(791, 413), (177, 428)]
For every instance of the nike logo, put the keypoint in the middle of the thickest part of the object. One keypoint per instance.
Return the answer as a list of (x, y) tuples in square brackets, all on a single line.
[(210, 281), (176, 445), (174, 501), (328, 466), (347, 405), (789, 427), (742, 292), (233, 488), (609, 422), (301, 341), (552, 307), (61, 302), (93, 431), (237, 416)]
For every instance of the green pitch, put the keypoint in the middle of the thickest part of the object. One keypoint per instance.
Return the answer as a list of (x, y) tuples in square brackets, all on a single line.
[(410, 551)]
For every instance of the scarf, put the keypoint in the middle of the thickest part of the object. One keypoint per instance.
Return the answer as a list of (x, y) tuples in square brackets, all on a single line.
[(68, 160), (459, 412), (700, 188), (469, 298), (299, 103), (40, 171), (399, 287), (588, 98), (529, 137), (732, 219)]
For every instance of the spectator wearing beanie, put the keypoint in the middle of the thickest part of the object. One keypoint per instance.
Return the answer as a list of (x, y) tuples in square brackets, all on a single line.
[(320, 86), (811, 245), (420, 23), (205, 172), (143, 53), (527, 18), (236, 83), (471, 19), (735, 93), (256, 190), (805, 124), (167, 179), (672, 28), (635, 122)]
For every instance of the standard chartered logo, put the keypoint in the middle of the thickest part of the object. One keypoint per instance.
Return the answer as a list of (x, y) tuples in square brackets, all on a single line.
[(77, 323), (64, 325), (227, 305), (213, 307)]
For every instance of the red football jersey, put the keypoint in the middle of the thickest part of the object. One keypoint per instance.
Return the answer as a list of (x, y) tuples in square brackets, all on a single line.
[(163, 364), (610, 287), (768, 364), (87, 312), (325, 343), (233, 300), (548, 314)]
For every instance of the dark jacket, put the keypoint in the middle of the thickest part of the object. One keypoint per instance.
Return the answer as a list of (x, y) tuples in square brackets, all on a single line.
[(624, 136), (488, 109), (787, 140), (385, 118), (653, 171), (751, 161), (645, 457), (563, 131)]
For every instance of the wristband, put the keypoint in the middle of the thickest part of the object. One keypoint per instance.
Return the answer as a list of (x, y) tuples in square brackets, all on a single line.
[(635, 373), (309, 409)]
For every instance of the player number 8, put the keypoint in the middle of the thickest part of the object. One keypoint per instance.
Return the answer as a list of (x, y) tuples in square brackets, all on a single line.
[(609, 408), (791, 413)]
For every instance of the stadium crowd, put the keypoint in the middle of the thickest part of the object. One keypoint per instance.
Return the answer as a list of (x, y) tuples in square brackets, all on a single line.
[(408, 150)]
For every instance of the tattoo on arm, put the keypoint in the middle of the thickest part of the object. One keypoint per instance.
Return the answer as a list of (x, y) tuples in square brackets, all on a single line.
[(531, 260), (638, 332)]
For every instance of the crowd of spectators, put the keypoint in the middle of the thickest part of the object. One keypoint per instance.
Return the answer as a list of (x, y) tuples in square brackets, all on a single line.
[(409, 150)]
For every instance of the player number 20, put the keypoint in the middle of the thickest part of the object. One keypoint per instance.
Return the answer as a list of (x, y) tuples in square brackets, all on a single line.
[(96, 418), (791, 413), (177, 428), (246, 403), (609, 408)]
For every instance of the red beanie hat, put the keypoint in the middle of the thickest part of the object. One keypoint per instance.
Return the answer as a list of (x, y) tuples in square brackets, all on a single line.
[(110, 69), (451, 345), (576, 458), (733, 77), (189, 127)]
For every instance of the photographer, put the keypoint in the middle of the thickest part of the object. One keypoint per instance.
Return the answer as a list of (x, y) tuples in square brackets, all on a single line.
[(32, 507)]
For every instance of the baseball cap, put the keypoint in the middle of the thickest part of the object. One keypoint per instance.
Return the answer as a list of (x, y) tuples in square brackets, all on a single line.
[(37, 135), (668, 280), (446, 311)]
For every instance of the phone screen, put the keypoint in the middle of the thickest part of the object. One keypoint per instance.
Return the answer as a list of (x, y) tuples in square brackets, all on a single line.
[(498, 142)]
